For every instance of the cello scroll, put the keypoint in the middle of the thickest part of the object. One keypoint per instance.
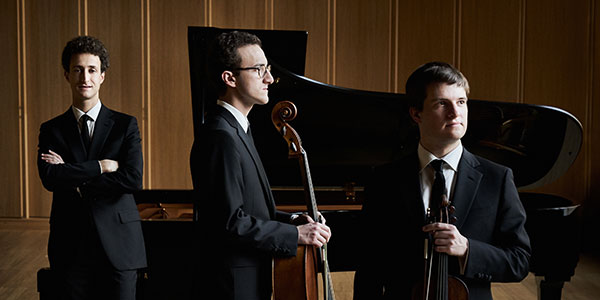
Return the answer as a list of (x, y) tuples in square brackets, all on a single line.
[(284, 112)]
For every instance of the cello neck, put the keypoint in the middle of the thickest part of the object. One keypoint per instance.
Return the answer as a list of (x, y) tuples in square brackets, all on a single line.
[(311, 202)]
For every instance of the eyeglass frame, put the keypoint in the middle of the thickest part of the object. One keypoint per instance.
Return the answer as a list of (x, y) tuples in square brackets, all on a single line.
[(267, 68)]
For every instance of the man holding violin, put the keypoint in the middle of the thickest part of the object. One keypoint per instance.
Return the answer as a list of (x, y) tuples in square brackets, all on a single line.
[(482, 234)]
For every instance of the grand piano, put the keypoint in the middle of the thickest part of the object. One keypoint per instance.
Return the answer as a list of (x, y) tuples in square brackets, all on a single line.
[(346, 132)]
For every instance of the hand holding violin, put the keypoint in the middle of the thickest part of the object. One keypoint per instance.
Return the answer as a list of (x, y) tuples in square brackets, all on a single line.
[(448, 239)]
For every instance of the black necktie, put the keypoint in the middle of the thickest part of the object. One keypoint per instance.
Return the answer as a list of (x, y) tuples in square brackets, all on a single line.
[(85, 131), (438, 190)]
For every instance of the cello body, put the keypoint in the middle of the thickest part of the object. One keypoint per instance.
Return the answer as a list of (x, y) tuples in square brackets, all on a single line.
[(303, 285)]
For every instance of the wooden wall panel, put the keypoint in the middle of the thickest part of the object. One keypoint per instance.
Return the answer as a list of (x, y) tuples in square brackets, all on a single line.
[(363, 44), (591, 205), (48, 27), (426, 33), (490, 40), (312, 16), (171, 104), (118, 24), (556, 71), (248, 14), (10, 189)]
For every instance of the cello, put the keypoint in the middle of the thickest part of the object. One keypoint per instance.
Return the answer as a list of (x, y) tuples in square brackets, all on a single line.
[(437, 284), (308, 260)]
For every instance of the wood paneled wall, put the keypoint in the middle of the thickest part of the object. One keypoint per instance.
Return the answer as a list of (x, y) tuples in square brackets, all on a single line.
[(528, 51), (11, 110)]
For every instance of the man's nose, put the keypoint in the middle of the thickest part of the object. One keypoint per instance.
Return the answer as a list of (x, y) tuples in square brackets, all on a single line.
[(85, 75), (452, 110), (268, 77)]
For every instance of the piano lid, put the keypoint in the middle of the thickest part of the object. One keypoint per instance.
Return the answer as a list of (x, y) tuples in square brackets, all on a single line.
[(346, 132)]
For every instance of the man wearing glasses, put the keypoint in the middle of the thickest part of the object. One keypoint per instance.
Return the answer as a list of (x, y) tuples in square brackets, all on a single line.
[(239, 225)]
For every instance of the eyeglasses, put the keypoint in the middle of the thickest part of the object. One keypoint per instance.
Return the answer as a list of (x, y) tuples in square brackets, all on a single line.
[(262, 70)]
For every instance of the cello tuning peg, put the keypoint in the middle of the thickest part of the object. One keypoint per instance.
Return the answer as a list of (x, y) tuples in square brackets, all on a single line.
[(453, 220)]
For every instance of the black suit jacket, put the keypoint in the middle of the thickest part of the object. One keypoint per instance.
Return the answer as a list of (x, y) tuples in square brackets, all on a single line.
[(239, 225), (489, 213), (104, 202)]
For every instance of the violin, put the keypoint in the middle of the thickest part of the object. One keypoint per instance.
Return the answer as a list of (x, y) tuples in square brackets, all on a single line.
[(297, 277), (437, 284)]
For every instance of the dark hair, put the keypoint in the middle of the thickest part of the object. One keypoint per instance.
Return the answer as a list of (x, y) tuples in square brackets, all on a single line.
[(432, 72), (85, 44), (222, 55)]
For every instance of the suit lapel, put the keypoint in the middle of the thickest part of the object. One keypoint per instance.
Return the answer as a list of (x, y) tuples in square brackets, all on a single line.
[(249, 144), (102, 128), (410, 186), (466, 186)]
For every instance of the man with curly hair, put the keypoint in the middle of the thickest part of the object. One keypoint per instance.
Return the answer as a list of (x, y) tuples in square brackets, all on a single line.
[(90, 158)]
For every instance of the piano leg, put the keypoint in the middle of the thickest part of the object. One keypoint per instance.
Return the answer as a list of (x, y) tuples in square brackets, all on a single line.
[(548, 289), (46, 284), (553, 225)]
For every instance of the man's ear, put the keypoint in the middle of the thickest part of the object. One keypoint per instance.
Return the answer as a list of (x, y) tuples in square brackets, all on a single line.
[(228, 78), (415, 114), (67, 75)]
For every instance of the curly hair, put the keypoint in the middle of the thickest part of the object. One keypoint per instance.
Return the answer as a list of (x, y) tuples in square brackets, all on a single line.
[(85, 44), (222, 55), (432, 72)]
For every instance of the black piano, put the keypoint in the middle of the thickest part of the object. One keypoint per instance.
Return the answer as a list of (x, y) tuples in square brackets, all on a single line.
[(346, 133)]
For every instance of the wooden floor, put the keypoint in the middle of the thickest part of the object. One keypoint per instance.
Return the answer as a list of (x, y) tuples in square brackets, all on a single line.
[(23, 252)]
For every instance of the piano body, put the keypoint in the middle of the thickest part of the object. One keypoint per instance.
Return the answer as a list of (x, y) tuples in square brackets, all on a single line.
[(346, 132)]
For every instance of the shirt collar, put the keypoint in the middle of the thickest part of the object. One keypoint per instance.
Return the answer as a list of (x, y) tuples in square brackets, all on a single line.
[(242, 120), (452, 159), (93, 112)]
